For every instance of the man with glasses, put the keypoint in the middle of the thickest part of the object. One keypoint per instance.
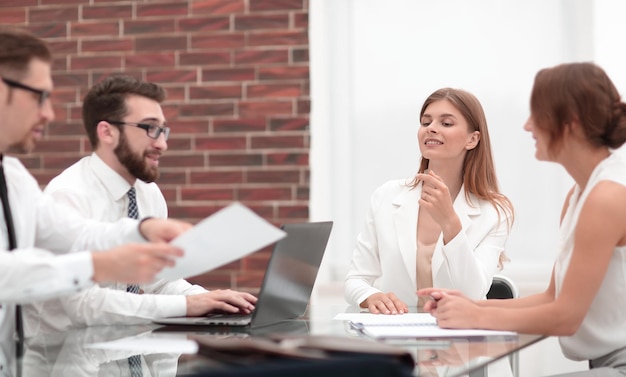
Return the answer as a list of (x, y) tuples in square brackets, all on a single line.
[(33, 228), (128, 134)]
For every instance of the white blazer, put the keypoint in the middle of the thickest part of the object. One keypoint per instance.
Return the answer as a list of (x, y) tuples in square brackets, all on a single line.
[(384, 259)]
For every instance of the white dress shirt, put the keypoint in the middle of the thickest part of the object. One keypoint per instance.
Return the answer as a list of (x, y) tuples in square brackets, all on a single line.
[(43, 228), (98, 192)]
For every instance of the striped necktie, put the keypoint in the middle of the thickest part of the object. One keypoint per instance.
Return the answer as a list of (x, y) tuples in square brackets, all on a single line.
[(134, 362)]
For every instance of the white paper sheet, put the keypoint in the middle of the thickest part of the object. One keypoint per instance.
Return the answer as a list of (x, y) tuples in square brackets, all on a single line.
[(408, 325), (227, 235)]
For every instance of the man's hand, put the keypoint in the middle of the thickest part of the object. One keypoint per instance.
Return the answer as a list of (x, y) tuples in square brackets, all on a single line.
[(384, 303), (133, 263), (162, 230), (220, 300)]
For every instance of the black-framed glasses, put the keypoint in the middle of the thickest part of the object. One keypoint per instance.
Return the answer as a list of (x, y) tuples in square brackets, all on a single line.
[(43, 94), (152, 130)]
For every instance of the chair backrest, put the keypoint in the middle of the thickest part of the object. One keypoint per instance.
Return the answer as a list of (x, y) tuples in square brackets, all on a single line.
[(502, 287)]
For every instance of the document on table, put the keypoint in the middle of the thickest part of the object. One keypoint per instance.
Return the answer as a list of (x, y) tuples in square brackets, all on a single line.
[(227, 235), (408, 325)]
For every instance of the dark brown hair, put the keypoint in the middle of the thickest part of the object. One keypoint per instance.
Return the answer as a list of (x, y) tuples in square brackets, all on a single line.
[(578, 92), (107, 101), (17, 49)]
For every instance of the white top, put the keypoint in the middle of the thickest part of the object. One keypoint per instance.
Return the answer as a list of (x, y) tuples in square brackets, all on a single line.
[(604, 328), (31, 273), (98, 192), (384, 259)]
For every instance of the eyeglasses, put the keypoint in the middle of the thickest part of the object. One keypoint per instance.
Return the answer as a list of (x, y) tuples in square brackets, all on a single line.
[(152, 130), (43, 94)]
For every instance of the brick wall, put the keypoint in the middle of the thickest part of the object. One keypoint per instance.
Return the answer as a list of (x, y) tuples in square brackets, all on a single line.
[(237, 75)]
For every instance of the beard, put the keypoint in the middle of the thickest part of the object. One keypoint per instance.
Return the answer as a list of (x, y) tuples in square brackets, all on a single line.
[(135, 163)]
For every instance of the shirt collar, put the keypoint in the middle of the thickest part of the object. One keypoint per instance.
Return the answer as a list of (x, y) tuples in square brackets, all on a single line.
[(114, 183)]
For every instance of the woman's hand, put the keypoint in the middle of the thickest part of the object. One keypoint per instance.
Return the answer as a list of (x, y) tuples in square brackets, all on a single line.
[(437, 201), (451, 308), (384, 303)]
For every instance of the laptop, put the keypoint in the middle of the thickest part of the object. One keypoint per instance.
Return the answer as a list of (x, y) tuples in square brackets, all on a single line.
[(287, 284)]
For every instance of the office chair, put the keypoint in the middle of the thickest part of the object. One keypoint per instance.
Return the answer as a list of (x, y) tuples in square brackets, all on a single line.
[(504, 288)]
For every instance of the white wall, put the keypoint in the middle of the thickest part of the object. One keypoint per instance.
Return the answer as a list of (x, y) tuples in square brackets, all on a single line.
[(373, 62)]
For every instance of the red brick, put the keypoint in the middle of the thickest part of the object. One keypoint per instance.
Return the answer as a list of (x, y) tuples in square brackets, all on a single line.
[(284, 73), (94, 29), (205, 194), (58, 145), (249, 280), (250, 109), (278, 38), (49, 30), (65, 95), (99, 76), (193, 211), (173, 76), (70, 79), (302, 193), (204, 24), (215, 92), (204, 58), (107, 45), (63, 47), (179, 143), (230, 40), (161, 43), (301, 20), (58, 14), (184, 160), (13, 16), (261, 56), (175, 94), (60, 112), (273, 90), (170, 195), (75, 112), (217, 6), (51, 161), (289, 124), (189, 126), (265, 5), (273, 176), (172, 177), (170, 110), (61, 127), (282, 159), (300, 55), (221, 143), (213, 280), (138, 27), (235, 160), (59, 2), (94, 62), (228, 176), (295, 211), (303, 106), (258, 21), (228, 74), (240, 125), (264, 193), (123, 11), (257, 261), (208, 109), (162, 9), (31, 161), (150, 60), (17, 3), (59, 64), (278, 142)]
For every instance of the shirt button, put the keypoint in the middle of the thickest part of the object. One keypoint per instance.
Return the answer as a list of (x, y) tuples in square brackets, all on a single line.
[(75, 281)]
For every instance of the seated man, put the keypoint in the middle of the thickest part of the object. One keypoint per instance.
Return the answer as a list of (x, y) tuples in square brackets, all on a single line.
[(128, 133)]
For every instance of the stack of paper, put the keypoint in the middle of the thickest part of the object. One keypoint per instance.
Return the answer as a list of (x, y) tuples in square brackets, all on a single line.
[(409, 325)]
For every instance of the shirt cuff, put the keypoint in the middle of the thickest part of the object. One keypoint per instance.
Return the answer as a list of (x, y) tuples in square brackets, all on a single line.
[(79, 268), (171, 306)]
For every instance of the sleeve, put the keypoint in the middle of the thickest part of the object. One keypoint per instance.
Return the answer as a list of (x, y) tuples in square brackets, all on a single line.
[(105, 306), (28, 275), (61, 228), (471, 265), (174, 287), (365, 265)]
